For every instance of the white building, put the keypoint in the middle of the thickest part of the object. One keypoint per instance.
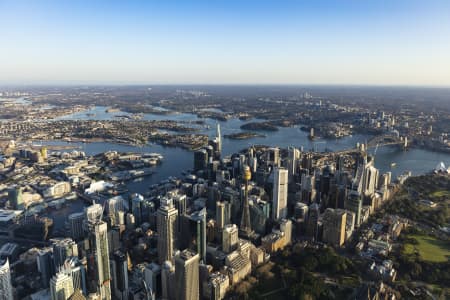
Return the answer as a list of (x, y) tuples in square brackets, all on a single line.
[(280, 193)]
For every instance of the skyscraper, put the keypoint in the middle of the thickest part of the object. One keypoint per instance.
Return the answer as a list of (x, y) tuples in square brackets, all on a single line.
[(98, 254), (98, 259), (45, 265), (200, 159), (77, 272), (354, 204), (136, 207), (334, 221), (218, 138), (15, 198), (5, 280), (230, 238), (223, 211), (280, 192), (76, 225), (61, 287), (187, 276), (167, 217), (119, 268), (62, 249), (197, 222)]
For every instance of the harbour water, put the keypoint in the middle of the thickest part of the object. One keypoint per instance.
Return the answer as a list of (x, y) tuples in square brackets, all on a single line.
[(176, 160), (418, 161)]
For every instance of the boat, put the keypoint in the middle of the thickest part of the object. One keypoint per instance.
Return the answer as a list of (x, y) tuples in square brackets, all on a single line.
[(393, 164)]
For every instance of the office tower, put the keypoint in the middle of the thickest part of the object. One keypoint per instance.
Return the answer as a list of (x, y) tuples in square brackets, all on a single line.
[(246, 226), (293, 156), (307, 162), (230, 238), (167, 280), (16, 199), (76, 229), (354, 204), (45, 265), (308, 189), (371, 176), (223, 212), (273, 157), (280, 192), (119, 269), (286, 228), (301, 211), (167, 217), (136, 207), (152, 277), (98, 259), (62, 249), (197, 228), (218, 139), (77, 272), (5, 280), (312, 223), (200, 160), (187, 276), (115, 205), (61, 287), (334, 222), (260, 213), (93, 213)]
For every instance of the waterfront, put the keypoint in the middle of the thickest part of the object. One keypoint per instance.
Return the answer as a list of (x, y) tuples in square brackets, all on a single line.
[(418, 161)]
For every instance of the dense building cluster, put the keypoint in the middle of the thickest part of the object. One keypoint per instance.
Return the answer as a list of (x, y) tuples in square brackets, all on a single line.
[(189, 238)]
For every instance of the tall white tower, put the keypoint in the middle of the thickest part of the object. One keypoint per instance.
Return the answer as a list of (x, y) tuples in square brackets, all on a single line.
[(61, 286), (5, 281), (280, 192), (219, 138)]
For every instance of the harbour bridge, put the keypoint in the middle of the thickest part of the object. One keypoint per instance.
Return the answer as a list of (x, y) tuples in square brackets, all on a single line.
[(388, 139)]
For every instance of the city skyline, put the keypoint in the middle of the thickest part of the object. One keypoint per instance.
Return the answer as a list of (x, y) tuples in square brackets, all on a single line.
[(175, 42)]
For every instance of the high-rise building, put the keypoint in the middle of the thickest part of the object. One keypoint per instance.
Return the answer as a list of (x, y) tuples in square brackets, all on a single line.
[(76, 221), (223, 212), (197, 226), (62, 249), (167, 217), (280, 193), (16, 199), (230, 238), (187, 276), (200, 159), (312, 222), (98, 259), (218, 139), (273, 157), (115, 205), (334, 222), (308, 189), (136, 207), (77, 272), (119, 268), (293, 157), (5, 280), (45, 265), (152, 277), (354, 204), (61, 287)]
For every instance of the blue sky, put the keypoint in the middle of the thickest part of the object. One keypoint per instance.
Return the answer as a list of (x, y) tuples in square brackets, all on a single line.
[(379, 42)]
